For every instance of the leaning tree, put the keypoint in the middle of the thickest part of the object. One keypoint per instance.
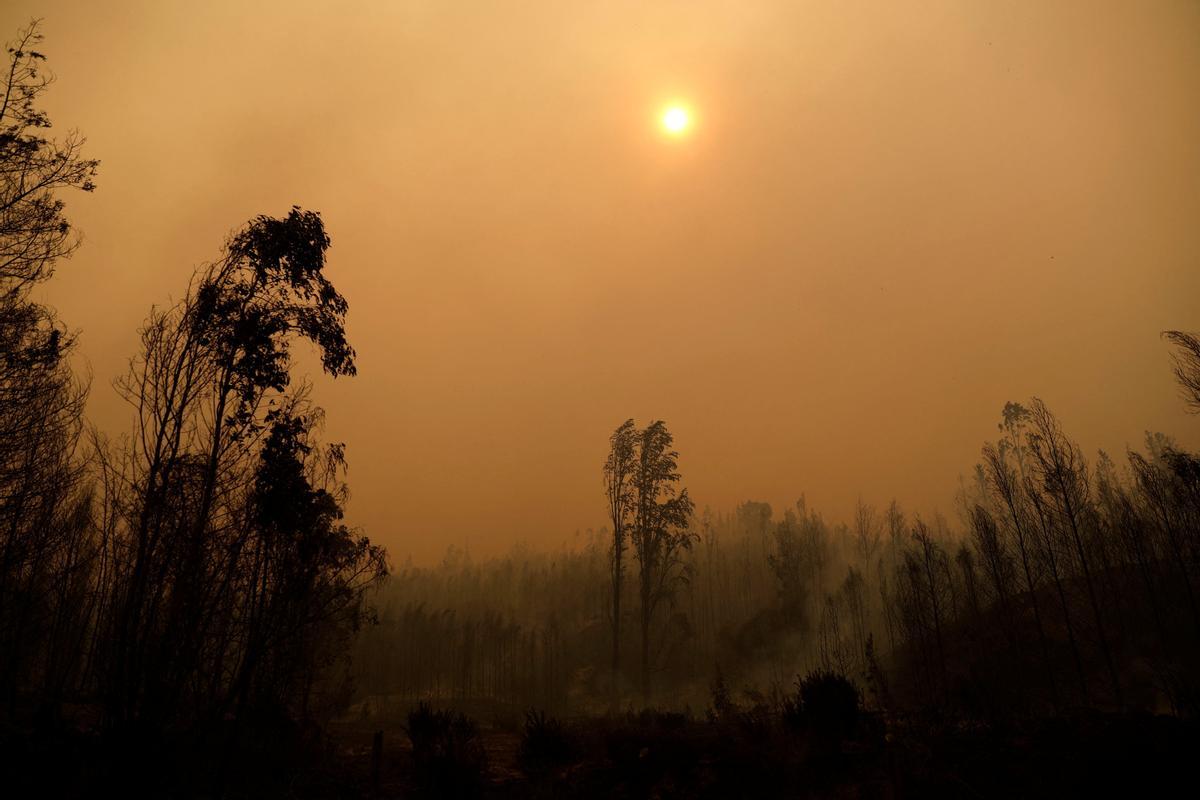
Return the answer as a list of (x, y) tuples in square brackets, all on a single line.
[(213, 575)]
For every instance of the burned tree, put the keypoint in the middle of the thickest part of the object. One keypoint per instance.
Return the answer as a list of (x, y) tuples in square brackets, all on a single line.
[(198, 550), (619, 471), (660, 532), (45, 552)]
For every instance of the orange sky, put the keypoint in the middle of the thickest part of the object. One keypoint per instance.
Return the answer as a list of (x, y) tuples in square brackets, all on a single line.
[(887, 221)]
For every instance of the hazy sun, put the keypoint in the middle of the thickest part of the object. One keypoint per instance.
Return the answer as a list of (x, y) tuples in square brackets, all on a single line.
[(676, 120)]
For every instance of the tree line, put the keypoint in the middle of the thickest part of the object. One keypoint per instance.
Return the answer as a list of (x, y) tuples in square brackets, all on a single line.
[(1058, 583), (1061, 583)]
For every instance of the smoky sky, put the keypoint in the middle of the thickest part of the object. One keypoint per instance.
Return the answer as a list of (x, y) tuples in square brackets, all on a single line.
[(889, 219)]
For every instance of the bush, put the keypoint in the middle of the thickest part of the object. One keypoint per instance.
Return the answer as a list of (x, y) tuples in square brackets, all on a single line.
[(545, 743), (448, 755), (829, 704)]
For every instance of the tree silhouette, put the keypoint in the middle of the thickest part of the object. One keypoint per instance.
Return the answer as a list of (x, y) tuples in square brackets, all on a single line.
[(1060, 471), (34, 233), (1186, 366), (619, 471), (44, 502), (214, 416), (660, 530)]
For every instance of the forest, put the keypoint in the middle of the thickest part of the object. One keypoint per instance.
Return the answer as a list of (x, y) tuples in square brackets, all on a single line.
[(185, 610)]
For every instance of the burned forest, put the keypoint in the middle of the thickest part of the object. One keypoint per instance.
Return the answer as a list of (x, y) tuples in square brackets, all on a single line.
[(834, 435)]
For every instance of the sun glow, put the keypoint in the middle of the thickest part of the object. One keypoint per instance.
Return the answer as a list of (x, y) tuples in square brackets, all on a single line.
[(676, 120)]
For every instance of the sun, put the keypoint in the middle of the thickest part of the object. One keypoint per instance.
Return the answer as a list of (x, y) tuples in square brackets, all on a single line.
[(676, 120)]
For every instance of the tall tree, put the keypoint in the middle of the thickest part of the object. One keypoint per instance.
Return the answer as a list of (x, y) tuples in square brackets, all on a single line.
[(660, 531), (619, 471), (43, 502), (209, 389), (1007, 485), (1061, 473)]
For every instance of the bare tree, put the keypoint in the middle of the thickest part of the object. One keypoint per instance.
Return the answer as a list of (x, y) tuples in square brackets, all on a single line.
[(1060, 471), (1186, 365), (867, 536), (45, 556), (1006, 483)]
